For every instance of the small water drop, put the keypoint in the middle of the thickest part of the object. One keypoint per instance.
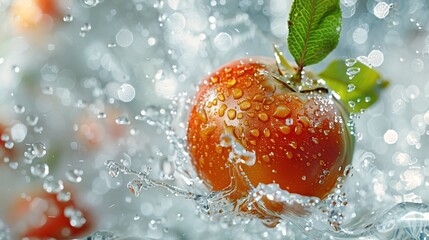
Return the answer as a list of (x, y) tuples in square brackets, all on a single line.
[(112, 168), (350, 62), (40, 170), (352, 71), (351, 87), (289, 121), (135, 186)]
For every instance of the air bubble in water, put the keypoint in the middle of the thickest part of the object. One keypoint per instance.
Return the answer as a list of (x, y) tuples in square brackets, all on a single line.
[(18, 132), (135, 186), (122, 120), (68, 18), (376, 58), (32, 120), (50, 185), (126, 92), (381, 10), (91, 3), (223, 41), (74, 175), (19, 109), (40, 170)]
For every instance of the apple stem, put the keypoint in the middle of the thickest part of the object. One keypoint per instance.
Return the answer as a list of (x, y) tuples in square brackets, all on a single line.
[(297, 77)]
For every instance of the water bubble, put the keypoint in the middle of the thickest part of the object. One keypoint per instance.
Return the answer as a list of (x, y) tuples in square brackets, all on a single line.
[(376, 58), (74, 175), (19, 109), (126, 92), (40, 170), (50, 185), (122, 120), (124, 38), (135, 186), (68, 18), (223, 41), (18, 132), (32, 120), (381, 10), (91, 3), (360, 35), (390, 136)]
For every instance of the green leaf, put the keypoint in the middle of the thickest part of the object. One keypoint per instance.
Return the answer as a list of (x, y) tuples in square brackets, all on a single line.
[(314, 30), (357, 91)]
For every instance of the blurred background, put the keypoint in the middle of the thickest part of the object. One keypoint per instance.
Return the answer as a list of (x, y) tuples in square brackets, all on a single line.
[(77, 75)]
